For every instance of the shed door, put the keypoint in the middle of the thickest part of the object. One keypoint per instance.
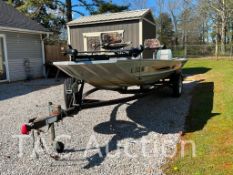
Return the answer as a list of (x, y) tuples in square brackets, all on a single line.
[(3, 66)]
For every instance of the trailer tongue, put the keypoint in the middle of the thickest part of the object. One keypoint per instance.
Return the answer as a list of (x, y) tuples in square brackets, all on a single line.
[(57, 114)]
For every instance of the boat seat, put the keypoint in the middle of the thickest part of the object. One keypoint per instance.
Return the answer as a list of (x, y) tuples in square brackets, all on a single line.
[(164, 54)]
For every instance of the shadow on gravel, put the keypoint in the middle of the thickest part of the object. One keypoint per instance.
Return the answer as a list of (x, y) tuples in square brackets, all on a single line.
[(121, 130), (156, 113), (15, 89)]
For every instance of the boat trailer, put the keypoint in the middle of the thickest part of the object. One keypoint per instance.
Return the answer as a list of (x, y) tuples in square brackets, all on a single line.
[(76, 100), (79, 102)]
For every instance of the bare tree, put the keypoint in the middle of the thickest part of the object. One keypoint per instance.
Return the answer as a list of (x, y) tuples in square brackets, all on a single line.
[(222, 10), (160, 4), (175, 10)]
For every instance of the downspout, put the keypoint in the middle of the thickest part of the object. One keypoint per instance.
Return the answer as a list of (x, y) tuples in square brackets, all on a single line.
[(141, 34), (69, 37), (43, 52), (68, 34)]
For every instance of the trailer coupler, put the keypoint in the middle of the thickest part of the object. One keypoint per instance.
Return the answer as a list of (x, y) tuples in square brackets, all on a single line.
[(56, 114)]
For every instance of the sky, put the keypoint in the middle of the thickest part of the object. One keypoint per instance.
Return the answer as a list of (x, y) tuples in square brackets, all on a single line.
[(150, 4)]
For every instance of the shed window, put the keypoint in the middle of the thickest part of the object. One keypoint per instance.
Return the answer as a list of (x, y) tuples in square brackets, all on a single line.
[(94, 41), (111, 38)]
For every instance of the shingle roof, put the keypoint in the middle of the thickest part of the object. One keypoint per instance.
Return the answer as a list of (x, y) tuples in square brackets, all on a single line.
[(12, 18), (120, 16)]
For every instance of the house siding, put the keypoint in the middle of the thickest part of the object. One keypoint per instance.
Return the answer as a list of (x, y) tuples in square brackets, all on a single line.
[(131, 31), (21, 46)]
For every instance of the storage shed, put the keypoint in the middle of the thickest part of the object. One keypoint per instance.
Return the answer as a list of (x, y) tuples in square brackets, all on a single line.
[(21, 45), (134, 26)]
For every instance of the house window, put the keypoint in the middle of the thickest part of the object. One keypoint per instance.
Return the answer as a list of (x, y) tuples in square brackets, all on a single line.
[(93, 41), (3, 67)]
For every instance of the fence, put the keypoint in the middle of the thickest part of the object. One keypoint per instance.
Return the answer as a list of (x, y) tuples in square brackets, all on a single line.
[(207, 50), (54, 53)]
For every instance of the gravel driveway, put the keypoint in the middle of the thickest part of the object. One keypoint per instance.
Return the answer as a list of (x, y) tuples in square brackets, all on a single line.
[(145, 132)]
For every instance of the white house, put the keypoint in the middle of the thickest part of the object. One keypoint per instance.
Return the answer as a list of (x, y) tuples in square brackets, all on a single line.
[(21, 45)]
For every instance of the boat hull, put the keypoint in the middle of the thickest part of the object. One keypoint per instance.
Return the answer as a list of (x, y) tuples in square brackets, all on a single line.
[(117, 73)]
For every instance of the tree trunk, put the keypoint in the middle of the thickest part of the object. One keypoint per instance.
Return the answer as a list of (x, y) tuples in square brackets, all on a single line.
[(217, 38), (223, 35), (216, 48), (223, 29), (203, 33), (175, 27), (68, 10), (185, 44)]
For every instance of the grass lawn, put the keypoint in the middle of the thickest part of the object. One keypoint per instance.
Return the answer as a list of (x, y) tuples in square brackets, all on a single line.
[(209, 122)]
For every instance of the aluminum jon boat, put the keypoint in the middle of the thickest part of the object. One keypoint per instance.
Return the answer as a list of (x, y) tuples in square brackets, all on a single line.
[(121, 72)]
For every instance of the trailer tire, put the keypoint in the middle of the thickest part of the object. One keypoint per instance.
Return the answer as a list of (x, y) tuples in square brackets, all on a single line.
[(177, 84), (68, 92)]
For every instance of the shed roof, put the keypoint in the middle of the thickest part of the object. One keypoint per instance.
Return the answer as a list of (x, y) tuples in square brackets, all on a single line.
[(12, 19), (109, 17)]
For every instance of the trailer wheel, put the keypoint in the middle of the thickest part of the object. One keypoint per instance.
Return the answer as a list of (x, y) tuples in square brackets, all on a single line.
[(68, 92), (177, 84)]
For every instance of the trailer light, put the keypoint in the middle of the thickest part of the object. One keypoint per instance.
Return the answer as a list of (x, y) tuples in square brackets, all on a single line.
[(24, 129)]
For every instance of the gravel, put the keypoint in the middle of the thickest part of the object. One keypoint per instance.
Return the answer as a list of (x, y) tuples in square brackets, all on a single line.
[(140, 135)]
